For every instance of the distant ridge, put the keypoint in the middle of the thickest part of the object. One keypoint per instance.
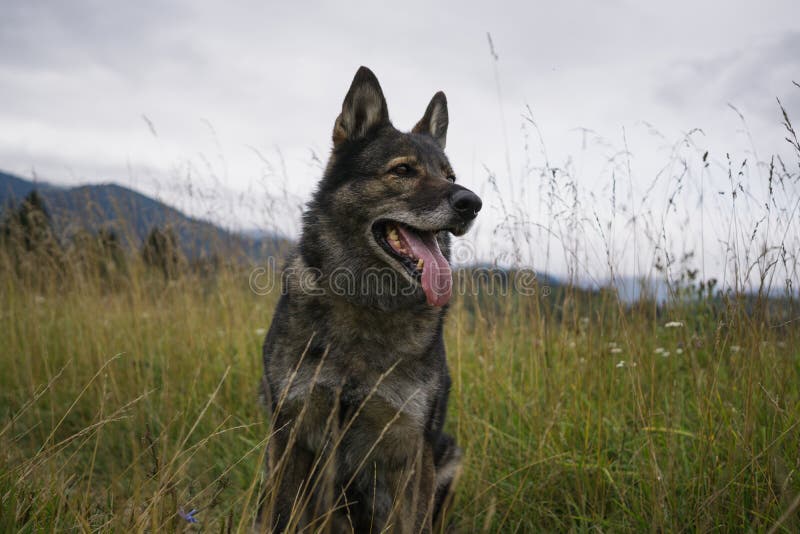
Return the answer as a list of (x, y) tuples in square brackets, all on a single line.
[(133, 215), (14, 187)]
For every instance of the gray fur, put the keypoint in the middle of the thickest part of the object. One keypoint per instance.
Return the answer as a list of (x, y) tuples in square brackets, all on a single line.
[(357, 380)]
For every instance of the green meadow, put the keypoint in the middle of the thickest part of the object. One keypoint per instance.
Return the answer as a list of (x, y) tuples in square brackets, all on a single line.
[(122, 404)]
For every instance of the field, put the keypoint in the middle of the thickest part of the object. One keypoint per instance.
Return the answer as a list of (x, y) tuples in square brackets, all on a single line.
[(122, 406), (128, 399)]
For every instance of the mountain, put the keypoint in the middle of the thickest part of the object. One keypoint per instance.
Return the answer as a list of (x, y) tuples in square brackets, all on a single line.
[(14, 187), (631, 289), (132, 215)]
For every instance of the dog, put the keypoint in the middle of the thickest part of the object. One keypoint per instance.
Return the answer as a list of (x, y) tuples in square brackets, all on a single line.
[(355, 374)]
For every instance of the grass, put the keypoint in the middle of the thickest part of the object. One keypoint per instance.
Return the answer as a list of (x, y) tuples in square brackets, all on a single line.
[(120, 407)]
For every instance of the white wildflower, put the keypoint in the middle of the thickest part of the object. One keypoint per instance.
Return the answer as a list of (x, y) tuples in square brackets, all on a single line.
[(616, 350), (674, 324), (621, 363), (735, 348), (678, 351), (659, 350), (261, 331)]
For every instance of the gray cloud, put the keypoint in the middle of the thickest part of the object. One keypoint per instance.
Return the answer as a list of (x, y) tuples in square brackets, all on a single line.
[(76, 78), (750, 77)]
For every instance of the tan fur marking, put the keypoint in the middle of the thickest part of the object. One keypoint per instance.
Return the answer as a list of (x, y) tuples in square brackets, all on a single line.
[(407, 160)]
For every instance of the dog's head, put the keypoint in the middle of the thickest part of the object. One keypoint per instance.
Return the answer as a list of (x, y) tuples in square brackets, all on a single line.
[(388, 200)]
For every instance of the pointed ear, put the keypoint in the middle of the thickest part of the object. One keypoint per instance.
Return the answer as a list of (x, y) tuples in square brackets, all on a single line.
[(363, 109), (435, 120)]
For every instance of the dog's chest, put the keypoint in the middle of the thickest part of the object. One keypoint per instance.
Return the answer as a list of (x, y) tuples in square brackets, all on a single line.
[(388, 362), (378, 335), (384, 397)]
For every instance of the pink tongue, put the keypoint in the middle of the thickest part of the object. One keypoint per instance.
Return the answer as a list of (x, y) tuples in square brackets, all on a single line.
[(437, 279)]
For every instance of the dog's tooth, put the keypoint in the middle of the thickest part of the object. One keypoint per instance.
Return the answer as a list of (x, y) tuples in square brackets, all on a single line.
[(420, 263)]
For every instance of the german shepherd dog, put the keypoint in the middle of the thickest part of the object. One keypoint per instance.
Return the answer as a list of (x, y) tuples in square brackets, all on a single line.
[(355, 373)]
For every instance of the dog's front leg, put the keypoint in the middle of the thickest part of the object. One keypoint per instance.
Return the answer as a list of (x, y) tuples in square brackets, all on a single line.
[(412, 487), (300, 479)]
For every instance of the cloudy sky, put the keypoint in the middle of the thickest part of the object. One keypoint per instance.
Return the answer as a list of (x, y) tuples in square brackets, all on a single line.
[(216, 109)]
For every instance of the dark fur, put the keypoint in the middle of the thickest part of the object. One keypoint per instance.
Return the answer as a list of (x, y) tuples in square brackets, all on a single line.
[(357, 383)]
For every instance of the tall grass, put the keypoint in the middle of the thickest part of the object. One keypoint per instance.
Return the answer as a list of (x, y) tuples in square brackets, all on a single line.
[(128, 401)]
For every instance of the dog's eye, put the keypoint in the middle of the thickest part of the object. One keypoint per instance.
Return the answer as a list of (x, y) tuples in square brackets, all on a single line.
[(451, 178), (402, 170)]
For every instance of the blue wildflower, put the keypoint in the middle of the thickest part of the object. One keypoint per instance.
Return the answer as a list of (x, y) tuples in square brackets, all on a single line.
[(189, 517)]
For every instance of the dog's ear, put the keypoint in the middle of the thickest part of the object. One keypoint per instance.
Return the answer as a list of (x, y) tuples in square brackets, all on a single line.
[(435, 120), (363, 109)]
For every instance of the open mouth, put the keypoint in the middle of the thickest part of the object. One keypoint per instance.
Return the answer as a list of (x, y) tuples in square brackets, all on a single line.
[(417, 251)]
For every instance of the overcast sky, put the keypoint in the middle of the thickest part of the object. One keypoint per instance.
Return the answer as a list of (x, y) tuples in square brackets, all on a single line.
[(212, 108)]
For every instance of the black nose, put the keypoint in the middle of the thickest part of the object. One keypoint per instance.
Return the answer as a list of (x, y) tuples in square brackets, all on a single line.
[(466, 203)]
